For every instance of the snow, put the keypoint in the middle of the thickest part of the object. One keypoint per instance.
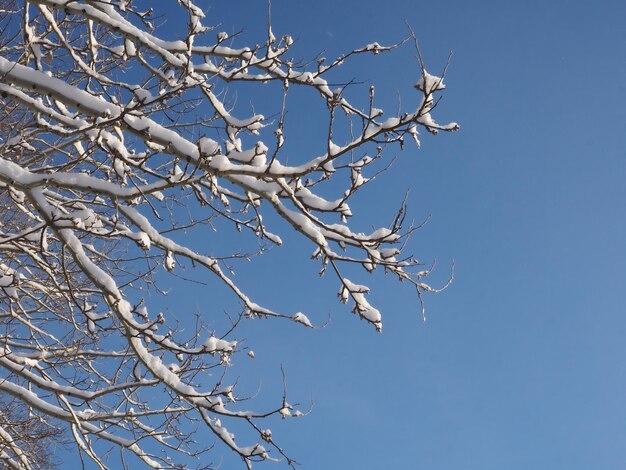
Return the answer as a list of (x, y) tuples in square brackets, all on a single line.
[(375, 47), (170, 262), (430, 83), (302, 318), (375, 112), (334, 149), (390, 123), (34, 80), (305, 225), (143, 95), (357, 178), (143, 240), (389, 253), (129, 47), (8, 281), (362, 306), (412, 130), (208, 146), (352, 287), (220, 163), (314, 201), (343, 294), (273, 238), (213, 345)]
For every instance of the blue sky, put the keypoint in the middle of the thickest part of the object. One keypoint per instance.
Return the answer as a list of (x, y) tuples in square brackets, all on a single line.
[(521, 361), (520, 364)]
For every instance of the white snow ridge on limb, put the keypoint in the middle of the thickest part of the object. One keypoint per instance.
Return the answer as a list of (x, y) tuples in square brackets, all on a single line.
[(123, 160)]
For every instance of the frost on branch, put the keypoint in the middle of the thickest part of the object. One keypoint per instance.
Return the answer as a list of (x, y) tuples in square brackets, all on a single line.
[(116, 141)]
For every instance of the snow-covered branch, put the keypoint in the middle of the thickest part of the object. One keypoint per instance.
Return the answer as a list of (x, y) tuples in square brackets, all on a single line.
[(105, 129)]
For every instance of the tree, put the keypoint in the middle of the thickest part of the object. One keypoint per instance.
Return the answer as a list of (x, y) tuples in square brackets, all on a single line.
[(108, 130), (26, 439)]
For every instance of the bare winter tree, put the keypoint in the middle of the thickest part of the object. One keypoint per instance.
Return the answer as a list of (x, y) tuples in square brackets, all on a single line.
[(116, 144), (23, 433)]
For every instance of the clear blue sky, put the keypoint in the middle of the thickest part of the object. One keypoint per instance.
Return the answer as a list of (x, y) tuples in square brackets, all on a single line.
[(521, 363)]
